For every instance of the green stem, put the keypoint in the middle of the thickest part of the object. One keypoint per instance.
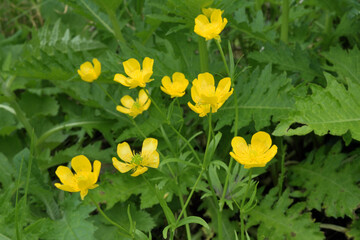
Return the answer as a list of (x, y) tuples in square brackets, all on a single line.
[(137, 127), (223, 57), (107, 94), (17, 222), (282, 174), (174, 129), (285, 21), (121, 228), (190, 195), (242, 206), (204, 55), (187, 227), (116, 26)]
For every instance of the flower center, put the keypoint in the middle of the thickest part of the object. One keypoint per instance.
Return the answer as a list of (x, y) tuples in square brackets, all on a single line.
[(137, 159), (82, 180)]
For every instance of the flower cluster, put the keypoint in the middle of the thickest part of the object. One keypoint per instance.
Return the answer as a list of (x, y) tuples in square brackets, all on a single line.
[(206, 97)]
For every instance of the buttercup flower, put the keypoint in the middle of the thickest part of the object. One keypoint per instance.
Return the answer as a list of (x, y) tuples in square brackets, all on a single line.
[(134, 108), (205, 95), (210, 29), (88, 72), (139, 163), (256, 154), (137, 77), (177, 87), (83, 179)]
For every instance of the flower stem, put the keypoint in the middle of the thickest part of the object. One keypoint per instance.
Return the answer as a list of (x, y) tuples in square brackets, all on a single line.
[(107, 94), (242, 206), (285, 21), (204, 55), (282, 174), (122, 229), (223, 57)]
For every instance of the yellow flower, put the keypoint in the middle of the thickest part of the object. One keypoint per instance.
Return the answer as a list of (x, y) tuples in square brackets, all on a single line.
[(256, 154), (88, 72), (205, 95), (139, 163), (137, 77), (212, 29), (177, 87), (134, 108), (83, 179)]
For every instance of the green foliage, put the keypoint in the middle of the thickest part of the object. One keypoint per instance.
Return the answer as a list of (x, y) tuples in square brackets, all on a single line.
[(333, 110), (278, 218), (329, 180)]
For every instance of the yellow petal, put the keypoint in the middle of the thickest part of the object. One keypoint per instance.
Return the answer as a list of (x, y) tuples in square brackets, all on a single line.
[(96, 171), (86, 67), (97, 66), (139, 170), (81, 164), (149, 146), (195, 94), (152, 160), (65, 175), (67, 188), (122, 167), (240, 146), (223, 86), (148, 65), (122, 109), (270, 154), (124, 152), (201, 20), (206, 79), (143, 97), (121, 79), (81, 74), (251, 165), (83, 193), (166, 82), (207, 11), (131, 66), (127, 101), (260, 142), (216, 16), (147, 105)]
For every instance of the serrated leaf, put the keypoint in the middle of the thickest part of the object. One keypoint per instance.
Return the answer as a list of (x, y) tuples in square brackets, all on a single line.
[(34, 105), (277, 219), (333, 110), (263, 96), (345, 63), (329, 181), (295, 60)]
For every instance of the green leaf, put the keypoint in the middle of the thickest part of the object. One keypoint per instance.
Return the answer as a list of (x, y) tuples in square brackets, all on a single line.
[(354, 232), (329, 179), (192, 219), (279, 219), (74, 223), (333, 110), (34, 105), (7, 122), (345, 63), (296, 60), (262, 97)]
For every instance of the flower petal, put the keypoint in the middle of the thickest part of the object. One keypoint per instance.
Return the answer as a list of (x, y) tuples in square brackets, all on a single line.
[(96, 169), (81, 164), (122, 167), (83, 193), (240, 146), (86, 67), (67, 188), (166, 82), (65, 175), (152, 160), (139, 170), (131, 66), (147, 105), (180, 82), (124, 152), (260, 142), (270, 154), (127, 101), (122, 109), (149, 146), (148, 65), (216, 16), (206, 80), (121, 79), (97, 66), (143, 97)]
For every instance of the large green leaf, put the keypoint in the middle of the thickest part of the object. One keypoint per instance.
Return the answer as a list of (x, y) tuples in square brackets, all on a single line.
[(262, 97), (329, 179), (279, 219), (333, 110)]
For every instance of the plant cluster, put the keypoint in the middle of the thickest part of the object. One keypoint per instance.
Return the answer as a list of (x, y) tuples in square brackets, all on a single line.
[(241, 122)]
